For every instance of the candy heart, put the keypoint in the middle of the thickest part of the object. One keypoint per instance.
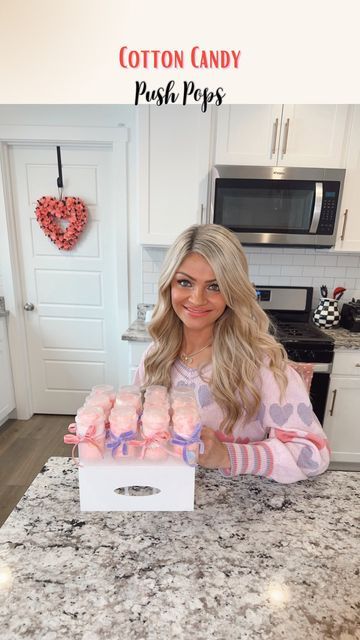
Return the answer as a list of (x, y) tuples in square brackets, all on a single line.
[(306, 413), (279, 414), (305, 459), (204, 395), (61, 220)]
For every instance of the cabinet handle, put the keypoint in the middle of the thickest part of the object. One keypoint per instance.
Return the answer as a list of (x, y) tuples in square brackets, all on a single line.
[(344, 225), (333, 402), (286, 135), (201, 214), (274, 136)]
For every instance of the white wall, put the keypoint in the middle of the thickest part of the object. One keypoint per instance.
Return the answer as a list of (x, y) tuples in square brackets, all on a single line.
[(278, 266)]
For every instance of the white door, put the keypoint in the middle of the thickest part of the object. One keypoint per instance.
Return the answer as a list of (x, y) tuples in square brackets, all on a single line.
[(73, 333)]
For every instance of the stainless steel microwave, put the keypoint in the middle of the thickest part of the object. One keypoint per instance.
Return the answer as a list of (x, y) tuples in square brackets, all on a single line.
[(277, 206)]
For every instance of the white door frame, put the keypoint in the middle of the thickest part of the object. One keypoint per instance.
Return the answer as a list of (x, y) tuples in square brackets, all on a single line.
[(114, 137)]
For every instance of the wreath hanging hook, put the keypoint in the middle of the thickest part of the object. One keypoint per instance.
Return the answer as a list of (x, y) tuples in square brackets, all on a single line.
[(59, 181)]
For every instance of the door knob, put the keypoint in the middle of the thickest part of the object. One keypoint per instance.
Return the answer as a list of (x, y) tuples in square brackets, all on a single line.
[(28, 306)]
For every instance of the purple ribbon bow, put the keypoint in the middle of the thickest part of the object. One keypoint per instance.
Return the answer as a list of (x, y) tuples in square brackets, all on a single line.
[(184, 442), (121, 440)]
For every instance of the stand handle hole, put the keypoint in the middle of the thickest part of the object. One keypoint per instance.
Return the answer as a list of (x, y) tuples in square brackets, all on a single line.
[(137, 491)]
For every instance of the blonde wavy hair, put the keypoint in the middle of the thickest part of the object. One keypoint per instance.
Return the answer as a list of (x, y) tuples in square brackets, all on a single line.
[(241, 342)]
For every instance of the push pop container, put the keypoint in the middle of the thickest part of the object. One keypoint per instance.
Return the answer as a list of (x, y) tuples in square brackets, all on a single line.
[(123, 430), (90, 421), (105, 389)]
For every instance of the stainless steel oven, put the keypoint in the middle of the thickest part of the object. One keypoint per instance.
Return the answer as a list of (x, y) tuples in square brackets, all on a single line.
[(289, 309)]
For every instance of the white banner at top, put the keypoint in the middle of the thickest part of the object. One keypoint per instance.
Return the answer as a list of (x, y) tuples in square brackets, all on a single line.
[(193, 51)]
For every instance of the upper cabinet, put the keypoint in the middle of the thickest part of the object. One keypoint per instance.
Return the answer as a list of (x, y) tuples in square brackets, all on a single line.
[(349, 226), (285, 135), (173, 168)]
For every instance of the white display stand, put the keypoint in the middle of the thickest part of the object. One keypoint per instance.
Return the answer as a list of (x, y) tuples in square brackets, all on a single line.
[(98, 482)]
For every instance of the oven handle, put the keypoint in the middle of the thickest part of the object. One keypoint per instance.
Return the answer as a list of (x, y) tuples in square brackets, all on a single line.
[(322, 367)]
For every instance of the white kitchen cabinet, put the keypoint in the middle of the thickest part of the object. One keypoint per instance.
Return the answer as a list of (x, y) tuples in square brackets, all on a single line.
[(296, 135), (136, 350), (173, 168), (342, 424), (348, 236), (7, 398)]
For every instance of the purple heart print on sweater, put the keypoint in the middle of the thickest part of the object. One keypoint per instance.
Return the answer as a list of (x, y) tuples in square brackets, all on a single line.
[(306, 413), (305, 459), (279, 414), (186, 384), (204, 395)]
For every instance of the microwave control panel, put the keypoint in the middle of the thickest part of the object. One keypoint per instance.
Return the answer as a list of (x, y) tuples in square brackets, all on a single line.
[(329, 207)]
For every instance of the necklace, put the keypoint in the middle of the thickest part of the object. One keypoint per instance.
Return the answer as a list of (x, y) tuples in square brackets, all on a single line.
[(187, 359)]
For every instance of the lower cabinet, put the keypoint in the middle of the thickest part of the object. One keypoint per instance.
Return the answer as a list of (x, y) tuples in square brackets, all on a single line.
[(342, 415), (136, 349), (7, 399)]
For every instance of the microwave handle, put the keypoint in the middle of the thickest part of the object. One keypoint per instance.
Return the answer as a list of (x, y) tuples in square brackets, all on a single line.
[(317, 207)]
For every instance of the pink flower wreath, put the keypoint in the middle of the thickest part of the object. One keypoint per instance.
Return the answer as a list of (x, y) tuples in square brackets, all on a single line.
[(50, 210)]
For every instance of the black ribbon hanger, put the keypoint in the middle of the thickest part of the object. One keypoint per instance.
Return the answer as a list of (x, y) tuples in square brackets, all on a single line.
[(60, 183)]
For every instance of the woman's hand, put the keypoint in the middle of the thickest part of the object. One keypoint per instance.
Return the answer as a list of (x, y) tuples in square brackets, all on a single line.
[(216, 453)]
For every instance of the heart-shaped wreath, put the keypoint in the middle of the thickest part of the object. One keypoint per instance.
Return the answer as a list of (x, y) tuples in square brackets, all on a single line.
[(49, 211)]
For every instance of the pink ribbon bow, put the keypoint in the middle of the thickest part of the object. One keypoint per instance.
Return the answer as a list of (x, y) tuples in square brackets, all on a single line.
[(88, 438), (160, 437)]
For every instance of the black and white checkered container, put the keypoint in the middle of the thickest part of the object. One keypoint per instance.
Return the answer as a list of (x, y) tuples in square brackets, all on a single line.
[(327, 314)]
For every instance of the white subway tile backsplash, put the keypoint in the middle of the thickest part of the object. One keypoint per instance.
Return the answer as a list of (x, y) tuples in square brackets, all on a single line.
[(270, 269), (309, 271), (277, 266), (151, 277), (290, 270), (348, 261), (303, 259), (280, 258), (326, 260), (352, 272), (300, 282), (280, 281), (335, 272), (148, 288)]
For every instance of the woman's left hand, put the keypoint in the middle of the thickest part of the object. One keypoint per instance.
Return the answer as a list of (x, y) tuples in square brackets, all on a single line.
[(216, 454)]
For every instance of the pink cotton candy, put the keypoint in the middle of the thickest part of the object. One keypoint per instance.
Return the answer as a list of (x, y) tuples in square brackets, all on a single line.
[(105, 389), (185, 420), (155, 421), (157, 393), (88, 416), (99, 400)]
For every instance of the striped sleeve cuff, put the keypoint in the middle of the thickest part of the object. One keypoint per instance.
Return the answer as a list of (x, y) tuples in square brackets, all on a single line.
[(255, 459)]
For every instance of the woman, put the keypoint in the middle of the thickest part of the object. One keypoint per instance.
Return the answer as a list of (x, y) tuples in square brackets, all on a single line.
[(209, 332)]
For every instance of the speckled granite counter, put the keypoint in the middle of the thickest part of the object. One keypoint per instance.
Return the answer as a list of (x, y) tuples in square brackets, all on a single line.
[(137, 332), (344, 339), (254, 560)]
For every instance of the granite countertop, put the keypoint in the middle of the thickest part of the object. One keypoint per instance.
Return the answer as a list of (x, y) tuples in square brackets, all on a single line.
[(255, 559), (137, 332), (344, 339)]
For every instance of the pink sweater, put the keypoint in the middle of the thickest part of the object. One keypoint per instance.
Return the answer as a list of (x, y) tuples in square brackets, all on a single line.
[(284, 442)]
